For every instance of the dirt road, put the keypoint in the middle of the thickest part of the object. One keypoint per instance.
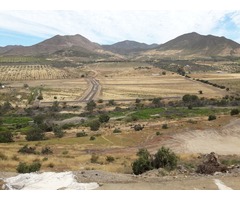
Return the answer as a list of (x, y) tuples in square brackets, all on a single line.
[(92, 90)]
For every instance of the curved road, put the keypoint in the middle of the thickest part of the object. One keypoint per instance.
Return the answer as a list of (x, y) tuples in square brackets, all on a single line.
[(91, 92)]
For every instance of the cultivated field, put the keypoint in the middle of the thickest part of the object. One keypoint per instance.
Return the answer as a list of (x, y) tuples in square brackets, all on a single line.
[(139, 80), (230, 80)]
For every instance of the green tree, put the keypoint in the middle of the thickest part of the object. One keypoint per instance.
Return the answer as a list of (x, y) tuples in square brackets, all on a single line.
[(91, 105), (58, 132), (187, 98), (6, 137), (165, 158), (94, 125), (143, 163), (103, 118), (35, 134), (234, 111)]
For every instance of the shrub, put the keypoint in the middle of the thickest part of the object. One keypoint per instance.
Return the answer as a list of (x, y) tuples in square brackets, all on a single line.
[(156, 101), (189, 98), (165, 158), (50, 165), (110, 159), (143, 163), (94, 158), (81, 134), (103, 118), (92, 138), (58, 132), (6, 137), (100, 101), (164, 126), (117, 130), (94, 125), (211, 117), (137, 100), (47, 150), (138, 127), (234, 112), (35, 134), (111, 102), (55, 106), (131, 118), (27, 150), (28, 168), (91, 105), (158, 133)]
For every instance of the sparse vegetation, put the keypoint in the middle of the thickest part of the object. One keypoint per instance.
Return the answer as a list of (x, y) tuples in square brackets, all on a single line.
[(234, 112), (211, 117), (28, 168), (81, 134)]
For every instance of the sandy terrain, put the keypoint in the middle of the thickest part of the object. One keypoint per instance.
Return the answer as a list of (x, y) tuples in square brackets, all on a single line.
[(224, 141)]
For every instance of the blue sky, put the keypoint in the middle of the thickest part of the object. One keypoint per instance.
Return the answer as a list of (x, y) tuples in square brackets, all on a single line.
[(28, 27)]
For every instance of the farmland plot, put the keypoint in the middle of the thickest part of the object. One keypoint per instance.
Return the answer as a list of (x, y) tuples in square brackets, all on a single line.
[(32, 72)]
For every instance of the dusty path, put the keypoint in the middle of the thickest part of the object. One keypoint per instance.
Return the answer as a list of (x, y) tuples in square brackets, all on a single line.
[(92, 90)]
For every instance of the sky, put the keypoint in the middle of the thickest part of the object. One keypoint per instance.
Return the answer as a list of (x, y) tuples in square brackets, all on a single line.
[(108, 26)]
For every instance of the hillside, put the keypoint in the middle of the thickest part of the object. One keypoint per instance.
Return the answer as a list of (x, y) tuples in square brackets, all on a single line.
[(200, 44), (127, 46), (192, 45), (75, 44)]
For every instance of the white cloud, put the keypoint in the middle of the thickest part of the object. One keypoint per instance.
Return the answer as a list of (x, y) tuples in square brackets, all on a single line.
[(113, 26)]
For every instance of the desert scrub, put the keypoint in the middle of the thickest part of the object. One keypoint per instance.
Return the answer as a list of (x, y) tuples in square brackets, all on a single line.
[(28, 168)]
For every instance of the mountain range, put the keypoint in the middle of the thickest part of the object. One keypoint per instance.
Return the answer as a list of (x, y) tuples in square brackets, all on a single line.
[(189, 45)]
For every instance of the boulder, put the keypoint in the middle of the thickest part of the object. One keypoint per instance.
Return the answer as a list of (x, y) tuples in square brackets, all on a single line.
[(211, 164)]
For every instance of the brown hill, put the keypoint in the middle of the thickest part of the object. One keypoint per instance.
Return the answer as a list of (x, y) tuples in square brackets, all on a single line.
[(127, 46), (56, 44), (196, 44)]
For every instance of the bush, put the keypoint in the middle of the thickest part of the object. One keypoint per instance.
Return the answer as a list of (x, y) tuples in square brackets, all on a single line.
[(156, 101), (92, 138), (27, 150), (100, 101), (189, 98), (138, 127), (94, 158), (81, 134), (165, 158), (103, 118), (6, 137), (47, 150), (211, 117), (94, 125), (25, 168), (158, 133), (110, 159), (234, 112), (131, 118), (137, 100), (117, 130), (91, 105), (111, 102), (58, 132), (35, 134), (143, 163), (164, 126)]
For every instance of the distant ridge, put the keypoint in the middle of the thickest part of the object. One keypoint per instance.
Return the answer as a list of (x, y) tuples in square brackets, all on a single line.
[(194, 43), (188, 45), (53, 45), (128, 46)]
